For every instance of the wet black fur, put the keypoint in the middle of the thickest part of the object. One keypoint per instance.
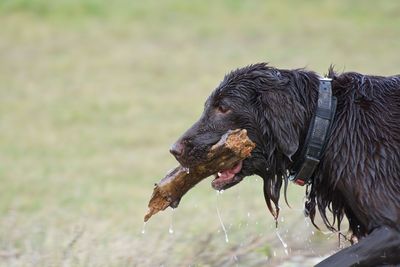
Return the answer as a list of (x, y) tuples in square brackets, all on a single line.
[(359, 174)]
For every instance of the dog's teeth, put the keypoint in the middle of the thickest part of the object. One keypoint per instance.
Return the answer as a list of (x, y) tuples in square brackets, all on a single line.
[(219, 174)]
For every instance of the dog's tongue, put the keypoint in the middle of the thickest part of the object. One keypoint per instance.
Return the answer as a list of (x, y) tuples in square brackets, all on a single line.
[(226, 177), (229, 174)]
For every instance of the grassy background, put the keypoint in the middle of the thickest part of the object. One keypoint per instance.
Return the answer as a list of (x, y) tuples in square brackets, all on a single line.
[(92, 93)]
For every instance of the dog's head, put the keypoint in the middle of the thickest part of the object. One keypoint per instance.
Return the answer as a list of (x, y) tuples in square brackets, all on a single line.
[(261, 100)]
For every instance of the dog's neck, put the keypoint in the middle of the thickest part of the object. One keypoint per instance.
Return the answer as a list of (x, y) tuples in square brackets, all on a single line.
[(301, 88), (318, 133)]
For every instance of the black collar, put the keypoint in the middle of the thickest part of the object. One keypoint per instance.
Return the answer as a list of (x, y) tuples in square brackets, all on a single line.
[(302, 171)]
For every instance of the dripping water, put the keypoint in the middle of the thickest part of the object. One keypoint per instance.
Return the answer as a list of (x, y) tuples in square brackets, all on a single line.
[(282, 241), (171, 224), (144, 228), (220, 219)]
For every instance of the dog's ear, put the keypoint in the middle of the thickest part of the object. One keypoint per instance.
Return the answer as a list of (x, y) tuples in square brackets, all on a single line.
[(285, 116)]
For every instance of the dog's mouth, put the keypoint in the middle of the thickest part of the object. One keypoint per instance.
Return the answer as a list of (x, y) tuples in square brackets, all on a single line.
[(228, 178)]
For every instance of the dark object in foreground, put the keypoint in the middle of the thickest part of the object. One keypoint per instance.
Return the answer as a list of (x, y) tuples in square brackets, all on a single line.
[(232, 148), (358, 175)]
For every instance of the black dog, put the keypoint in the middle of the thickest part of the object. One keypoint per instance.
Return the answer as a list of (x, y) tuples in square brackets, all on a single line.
[(359, 173)]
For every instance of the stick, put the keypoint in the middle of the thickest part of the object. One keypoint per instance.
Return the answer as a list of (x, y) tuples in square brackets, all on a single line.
[(233, 147)]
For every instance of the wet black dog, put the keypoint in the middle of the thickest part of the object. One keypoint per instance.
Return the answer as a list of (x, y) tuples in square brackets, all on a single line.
[(359, 173)]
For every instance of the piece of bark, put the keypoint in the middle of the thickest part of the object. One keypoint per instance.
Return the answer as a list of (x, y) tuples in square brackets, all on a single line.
[(233, 147)]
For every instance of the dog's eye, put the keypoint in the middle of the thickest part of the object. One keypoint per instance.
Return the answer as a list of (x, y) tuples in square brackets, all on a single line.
[(223, 109)]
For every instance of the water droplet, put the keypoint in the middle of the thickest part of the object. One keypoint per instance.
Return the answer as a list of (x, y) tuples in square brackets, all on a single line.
[(186, 169), (171, 224), (144, 228), (248, 214)]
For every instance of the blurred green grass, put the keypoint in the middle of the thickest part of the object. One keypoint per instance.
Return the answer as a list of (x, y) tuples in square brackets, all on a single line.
[(92, 94)]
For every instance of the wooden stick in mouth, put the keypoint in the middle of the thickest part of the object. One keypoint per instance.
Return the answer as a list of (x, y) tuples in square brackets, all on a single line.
[(233, 147)]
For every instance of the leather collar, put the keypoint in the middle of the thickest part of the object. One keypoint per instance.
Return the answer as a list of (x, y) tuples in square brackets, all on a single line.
[(303, 169)]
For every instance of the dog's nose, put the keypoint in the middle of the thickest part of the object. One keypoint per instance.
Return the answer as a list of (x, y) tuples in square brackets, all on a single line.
[(177, 149)]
